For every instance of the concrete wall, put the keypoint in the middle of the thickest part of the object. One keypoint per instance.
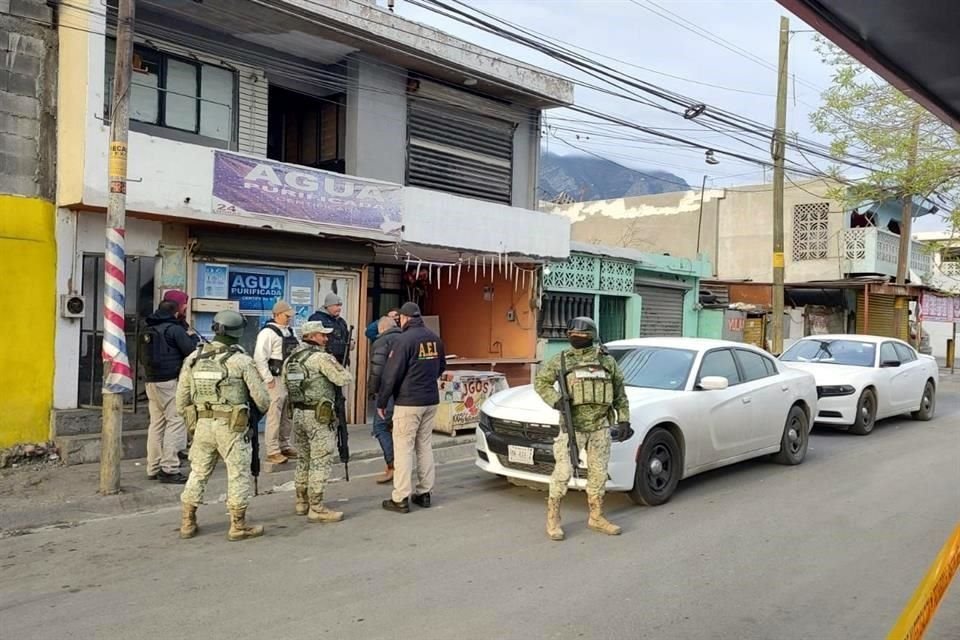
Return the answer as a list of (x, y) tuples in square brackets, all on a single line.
[(662, 223), (376, 136), (736, 232), (526, 162), (27, 99)]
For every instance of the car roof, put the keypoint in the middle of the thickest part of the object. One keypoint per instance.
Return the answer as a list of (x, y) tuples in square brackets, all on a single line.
[(693, 344), (853, 336)]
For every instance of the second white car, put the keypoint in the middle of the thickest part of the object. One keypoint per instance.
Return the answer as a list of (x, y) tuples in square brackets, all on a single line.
[(862, 379)]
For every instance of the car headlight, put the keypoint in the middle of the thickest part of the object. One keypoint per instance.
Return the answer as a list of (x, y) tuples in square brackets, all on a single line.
[(835, 390)]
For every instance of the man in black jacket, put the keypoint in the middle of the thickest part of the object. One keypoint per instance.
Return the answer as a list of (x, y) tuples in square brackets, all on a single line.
[(331, 318), (410, 378), (388, 332), (164, 344)]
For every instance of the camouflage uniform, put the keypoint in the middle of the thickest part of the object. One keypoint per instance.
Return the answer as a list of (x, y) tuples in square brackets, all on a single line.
[(314, 424), (215, 435), (592, 419)]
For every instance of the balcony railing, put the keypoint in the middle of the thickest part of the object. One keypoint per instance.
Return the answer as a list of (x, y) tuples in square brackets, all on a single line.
[(876, 251)]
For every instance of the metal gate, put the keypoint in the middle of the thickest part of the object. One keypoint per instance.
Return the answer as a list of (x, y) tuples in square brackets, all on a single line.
[(877, 317), (661, 311)]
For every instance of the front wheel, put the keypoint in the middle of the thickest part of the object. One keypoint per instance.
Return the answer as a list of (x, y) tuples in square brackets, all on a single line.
[(659, 467), (795, 439), (928, 404), (866, 413)]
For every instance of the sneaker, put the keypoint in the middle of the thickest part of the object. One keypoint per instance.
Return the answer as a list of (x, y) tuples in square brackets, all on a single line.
[(422, 500), (276, 458), (171, 478), (397, 507)]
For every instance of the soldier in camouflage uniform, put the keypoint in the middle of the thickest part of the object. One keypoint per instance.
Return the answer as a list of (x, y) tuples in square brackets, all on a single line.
[(597, 392), (217, 383), (311, 375)]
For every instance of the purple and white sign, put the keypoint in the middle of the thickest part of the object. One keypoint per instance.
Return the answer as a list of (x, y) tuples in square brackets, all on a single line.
[(258, 186)]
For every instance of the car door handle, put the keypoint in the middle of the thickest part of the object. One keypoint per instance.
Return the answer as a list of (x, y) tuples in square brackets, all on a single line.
[(785, 388), (747, 400)]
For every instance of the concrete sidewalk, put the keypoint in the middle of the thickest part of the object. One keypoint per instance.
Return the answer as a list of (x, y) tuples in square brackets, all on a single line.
[(38, 495)]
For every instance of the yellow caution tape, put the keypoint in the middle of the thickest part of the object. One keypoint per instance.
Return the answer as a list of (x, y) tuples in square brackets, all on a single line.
[(916, 617)]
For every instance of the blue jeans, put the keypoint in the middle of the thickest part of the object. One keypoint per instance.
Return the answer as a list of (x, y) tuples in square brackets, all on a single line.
[(381, 431)]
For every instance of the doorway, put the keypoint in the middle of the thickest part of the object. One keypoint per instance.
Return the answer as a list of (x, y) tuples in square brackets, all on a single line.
[(347, 286)]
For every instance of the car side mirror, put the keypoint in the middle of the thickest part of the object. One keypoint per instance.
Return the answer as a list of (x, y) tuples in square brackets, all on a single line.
[(889, 364), (714, 383)]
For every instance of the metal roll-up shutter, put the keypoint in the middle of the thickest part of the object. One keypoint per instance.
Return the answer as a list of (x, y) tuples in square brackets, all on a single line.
[(880, 315), (661, 311), (457, 151), (275, 246)]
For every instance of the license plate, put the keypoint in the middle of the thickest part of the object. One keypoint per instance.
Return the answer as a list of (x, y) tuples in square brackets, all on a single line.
[(522, 455)]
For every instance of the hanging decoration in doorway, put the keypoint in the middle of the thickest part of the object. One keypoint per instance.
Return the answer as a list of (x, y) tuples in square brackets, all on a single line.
[(420, 274)]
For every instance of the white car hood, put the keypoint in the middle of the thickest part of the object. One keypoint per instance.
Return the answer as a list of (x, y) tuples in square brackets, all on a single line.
[(523, 403), (830, 374)]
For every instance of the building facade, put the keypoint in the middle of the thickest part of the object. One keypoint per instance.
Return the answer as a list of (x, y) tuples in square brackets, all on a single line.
[(733, 229), (28, 81), (628, 293), (331, 147)]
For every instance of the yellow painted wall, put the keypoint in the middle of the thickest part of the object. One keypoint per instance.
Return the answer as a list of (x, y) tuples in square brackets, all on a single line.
[(28, 258)]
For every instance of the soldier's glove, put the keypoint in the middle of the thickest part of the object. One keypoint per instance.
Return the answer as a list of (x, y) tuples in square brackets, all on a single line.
[(621, 432)]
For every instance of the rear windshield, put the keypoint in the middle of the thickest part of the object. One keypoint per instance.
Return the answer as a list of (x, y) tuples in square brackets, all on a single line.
[(851, 353), (654, 367)]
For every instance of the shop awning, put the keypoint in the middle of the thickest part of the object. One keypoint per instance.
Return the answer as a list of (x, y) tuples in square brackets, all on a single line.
[(912, 45)]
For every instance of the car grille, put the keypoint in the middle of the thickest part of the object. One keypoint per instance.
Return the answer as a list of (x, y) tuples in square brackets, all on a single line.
[(526, 430), (538, 467)]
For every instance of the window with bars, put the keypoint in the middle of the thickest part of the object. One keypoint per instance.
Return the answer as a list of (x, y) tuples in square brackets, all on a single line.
[(559, 309), (811, 230)]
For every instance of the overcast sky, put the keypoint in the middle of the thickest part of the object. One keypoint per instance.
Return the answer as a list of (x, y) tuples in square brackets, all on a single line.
[(632, 32)]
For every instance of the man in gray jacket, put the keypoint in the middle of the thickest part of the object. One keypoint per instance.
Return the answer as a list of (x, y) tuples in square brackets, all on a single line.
[(388, 332)]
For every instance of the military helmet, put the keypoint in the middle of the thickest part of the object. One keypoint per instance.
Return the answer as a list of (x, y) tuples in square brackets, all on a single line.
[(229, 323), (582, 327)]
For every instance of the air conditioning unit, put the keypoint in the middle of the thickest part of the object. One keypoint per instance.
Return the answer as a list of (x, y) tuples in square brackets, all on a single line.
[(72, 306)]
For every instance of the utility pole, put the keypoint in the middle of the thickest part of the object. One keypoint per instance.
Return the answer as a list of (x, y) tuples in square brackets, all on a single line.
[(906, 225), (117, 374), (779, 151)]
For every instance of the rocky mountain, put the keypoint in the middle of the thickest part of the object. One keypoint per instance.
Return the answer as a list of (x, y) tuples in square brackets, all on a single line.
[(584, 178)]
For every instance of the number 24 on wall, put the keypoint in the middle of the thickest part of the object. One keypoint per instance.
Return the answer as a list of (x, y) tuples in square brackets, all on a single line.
[(226, 208)]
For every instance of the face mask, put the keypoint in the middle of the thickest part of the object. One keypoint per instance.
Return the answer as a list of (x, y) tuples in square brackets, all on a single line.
[(579, 342)]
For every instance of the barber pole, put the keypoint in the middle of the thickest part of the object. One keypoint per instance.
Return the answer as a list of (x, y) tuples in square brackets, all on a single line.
[(117, 376)]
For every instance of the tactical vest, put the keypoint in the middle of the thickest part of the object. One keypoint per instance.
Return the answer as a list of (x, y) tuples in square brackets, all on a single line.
[(304, 387), (290, 342), (590, 384), (212, 383)]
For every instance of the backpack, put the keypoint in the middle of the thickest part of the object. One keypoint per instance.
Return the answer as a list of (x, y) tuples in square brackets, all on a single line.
[(290, 342), (297, 378), (153, 346), (212, 384)]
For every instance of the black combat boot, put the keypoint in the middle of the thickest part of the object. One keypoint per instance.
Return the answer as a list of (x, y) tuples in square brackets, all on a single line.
[(397, 507), (422, 500)]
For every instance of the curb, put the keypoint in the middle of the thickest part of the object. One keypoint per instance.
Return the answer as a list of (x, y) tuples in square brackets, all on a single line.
[(145, 496)]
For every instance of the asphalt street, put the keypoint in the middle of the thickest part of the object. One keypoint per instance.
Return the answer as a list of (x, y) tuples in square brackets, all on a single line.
[(831, 549)]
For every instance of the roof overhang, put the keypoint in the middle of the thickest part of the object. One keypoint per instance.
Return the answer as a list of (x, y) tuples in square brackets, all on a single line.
[(911, 45)]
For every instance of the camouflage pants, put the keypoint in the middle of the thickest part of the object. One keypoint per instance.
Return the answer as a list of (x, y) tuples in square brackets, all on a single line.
[(597, 444), (212, 439), (317, 444)]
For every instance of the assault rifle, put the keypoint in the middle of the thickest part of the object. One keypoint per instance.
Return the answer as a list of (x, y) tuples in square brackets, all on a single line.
[(254, 434), (566, 415), (343, 446)]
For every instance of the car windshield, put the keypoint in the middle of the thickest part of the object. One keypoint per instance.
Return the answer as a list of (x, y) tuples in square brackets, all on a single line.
[(846, 352), (654, 367)]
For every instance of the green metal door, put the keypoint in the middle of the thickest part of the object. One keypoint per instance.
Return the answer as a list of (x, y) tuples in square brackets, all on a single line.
[(613, 318)]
